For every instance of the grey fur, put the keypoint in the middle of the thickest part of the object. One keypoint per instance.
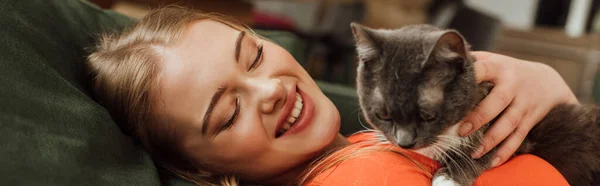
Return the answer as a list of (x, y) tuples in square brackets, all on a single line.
[(426, 85)]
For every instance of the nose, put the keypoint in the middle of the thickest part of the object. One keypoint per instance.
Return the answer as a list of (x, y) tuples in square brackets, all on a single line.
[(405, 138), (408, 146), (269, 92)]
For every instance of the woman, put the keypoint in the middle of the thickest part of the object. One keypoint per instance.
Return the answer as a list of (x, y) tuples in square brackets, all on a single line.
[(217, 105)]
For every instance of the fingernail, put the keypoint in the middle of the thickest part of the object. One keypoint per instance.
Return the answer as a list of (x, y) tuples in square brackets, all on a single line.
[(465, 128), (495, 161), (477, 152)]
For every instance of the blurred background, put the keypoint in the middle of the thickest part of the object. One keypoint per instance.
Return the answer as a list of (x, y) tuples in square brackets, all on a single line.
[(560, 33)]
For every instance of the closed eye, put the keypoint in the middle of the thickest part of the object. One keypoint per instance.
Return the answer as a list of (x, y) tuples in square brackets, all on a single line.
[(258, 59), (231, 119)]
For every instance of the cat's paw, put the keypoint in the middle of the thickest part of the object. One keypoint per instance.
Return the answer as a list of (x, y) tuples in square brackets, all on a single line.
[(442, 180)]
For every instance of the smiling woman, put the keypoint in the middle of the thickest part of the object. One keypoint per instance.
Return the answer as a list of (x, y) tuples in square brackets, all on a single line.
[(209, 99)]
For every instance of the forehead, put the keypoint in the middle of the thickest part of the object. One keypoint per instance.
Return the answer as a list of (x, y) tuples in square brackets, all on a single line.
[(193, 69), (410, 40), (404, 51)]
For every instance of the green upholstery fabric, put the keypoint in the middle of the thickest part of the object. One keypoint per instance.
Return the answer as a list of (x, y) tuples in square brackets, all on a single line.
[(52, 132), (287, 40), (346, 101)]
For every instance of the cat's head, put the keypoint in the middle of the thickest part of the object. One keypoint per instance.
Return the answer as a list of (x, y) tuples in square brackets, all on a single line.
[(414, 83)]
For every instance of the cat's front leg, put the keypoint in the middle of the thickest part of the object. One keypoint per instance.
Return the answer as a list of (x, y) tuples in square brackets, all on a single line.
[(442, 178)]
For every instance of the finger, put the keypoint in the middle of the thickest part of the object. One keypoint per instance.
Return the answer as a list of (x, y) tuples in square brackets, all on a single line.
[(516, 138), (481, 55), (486, 70), (490, 107), (499, 130), (514, 141), (510, 145)]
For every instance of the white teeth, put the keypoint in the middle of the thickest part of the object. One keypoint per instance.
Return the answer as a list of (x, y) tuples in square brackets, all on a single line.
[(286, 126), (297, 106), (295, 112), (291, 119), (293, 115)]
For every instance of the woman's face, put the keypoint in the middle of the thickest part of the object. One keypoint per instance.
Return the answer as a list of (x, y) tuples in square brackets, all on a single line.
[(230, 96)]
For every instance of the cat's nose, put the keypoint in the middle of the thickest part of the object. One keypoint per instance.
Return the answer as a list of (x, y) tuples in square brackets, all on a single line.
[(405, 138), (409, 146)]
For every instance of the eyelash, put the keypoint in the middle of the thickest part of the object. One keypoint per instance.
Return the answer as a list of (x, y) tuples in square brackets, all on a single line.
[(258, 58), (232, 119)]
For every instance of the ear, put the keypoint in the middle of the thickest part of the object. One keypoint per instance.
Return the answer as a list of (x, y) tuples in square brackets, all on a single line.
[(447, 45), (367, 45)]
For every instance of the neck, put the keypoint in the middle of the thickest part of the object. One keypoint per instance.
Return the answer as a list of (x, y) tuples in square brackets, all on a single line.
[(291, 175)]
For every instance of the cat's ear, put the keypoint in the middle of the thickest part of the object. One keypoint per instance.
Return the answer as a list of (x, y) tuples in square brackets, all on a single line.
[(366, 39), (447, 45)]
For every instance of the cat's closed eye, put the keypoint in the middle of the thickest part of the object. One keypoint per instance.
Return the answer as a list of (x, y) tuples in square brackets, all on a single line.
[(383, 114), (427, 116)]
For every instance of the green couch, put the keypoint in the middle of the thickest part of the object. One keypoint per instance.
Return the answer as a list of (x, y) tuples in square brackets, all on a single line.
[(52, 132)]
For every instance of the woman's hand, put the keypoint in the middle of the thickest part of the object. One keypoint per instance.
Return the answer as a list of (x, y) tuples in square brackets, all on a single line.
[(526, 91)]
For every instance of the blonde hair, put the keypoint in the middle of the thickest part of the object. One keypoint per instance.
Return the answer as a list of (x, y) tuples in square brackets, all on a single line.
[(125, 70)]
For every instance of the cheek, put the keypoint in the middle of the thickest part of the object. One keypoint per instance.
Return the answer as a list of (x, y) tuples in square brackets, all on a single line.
[(245, 141)]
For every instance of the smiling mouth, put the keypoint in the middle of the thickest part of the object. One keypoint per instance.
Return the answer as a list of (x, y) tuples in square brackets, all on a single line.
[(293, 116)]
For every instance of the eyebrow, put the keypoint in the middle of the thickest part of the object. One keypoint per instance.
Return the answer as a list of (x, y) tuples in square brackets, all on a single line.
[(221, 90), (238, 45), (211, 106)]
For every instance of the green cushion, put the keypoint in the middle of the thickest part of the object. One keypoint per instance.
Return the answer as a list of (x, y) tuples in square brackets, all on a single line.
[(52, 132), (345, 100), (287, 40)]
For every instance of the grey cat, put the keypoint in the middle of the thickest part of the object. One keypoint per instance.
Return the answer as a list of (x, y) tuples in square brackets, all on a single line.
[(417, 82)]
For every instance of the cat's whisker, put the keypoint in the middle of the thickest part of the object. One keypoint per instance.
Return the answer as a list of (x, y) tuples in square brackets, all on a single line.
[(457, 165), (360, 120), (440, 152), (380, 136), (462, 156), (455, 139), (355, 111), (471, 165), (455, 149), (448, 157), (458, 140)]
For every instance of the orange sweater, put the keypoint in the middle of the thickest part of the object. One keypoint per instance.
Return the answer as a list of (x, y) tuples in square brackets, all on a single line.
[(379, 168)]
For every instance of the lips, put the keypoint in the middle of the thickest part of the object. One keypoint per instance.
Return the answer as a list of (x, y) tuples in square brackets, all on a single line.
[(293, 117), (303, 119), (287, 110)]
